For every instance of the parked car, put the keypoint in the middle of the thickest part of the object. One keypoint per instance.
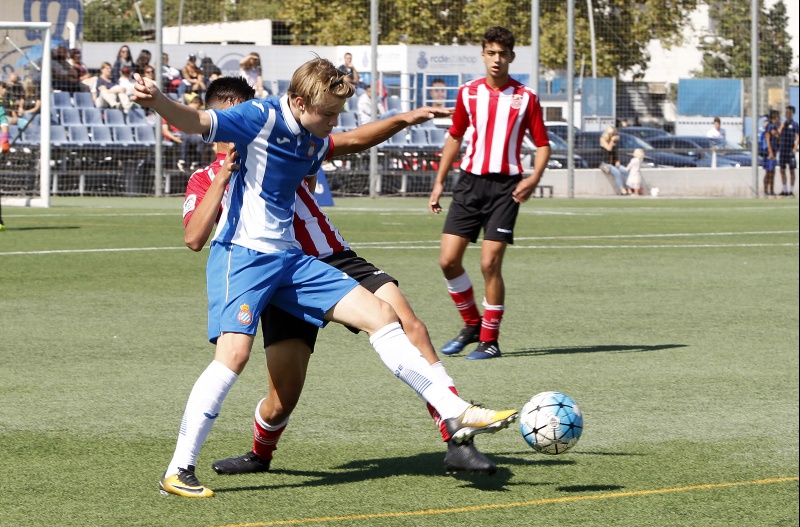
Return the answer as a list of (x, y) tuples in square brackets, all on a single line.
[(558, 154), (700, 147), (644, 132), (587, 145), (559, 128)]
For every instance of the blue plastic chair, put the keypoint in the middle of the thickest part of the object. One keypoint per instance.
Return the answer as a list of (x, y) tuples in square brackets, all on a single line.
[(70, 116), (92, 116), (101, 135), (114, 117), (61, 99), (79, 135), (123, 135), (83, 99)]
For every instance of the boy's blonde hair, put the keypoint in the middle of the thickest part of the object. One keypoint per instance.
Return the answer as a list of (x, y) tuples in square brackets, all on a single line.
[(315, 78), (638, 153)]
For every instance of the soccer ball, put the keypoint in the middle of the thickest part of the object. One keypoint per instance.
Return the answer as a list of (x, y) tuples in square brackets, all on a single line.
[(551, 423)]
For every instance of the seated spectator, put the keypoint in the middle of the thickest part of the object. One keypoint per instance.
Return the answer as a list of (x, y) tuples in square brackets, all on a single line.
[(75, 58), (142, 62), (438, 93), (65, 77), (7, 104), (192, 77), (109, 92), (365, 106), (210, 70), (15, 90), (30, 103), (250, 70), (192, 146), (171, 78), (124, 58)]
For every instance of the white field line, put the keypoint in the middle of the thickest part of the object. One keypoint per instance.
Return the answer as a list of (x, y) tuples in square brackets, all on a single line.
[(434, 244)]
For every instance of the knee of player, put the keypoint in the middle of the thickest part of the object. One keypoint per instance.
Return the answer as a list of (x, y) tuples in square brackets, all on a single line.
[(414, 326), (385, 314)]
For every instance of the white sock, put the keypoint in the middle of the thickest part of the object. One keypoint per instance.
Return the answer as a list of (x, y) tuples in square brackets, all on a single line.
[(202, 409), (408, 364), (264, 424), (441, 374), (459, 284)]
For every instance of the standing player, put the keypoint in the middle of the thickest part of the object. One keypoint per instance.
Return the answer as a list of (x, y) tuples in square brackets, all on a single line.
[(255, 259), (771, 162), (288, 341), (498, 110), (788, 136)]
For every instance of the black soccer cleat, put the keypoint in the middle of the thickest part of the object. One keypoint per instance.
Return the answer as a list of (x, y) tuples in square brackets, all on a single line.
[(248, 463), (464, 457)]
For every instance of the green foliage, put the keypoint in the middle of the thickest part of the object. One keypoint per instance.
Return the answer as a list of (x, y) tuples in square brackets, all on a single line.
[(110, 21), (726, 54)]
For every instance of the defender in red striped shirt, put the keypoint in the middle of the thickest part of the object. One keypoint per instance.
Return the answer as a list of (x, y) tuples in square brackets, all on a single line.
[(497, 111)]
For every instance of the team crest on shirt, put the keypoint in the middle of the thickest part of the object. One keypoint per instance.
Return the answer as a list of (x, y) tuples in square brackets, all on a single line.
[(245, 317), (516, 101), (312, 149)]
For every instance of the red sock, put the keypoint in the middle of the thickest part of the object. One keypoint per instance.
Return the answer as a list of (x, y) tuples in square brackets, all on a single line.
[(438, 418), (490, 325), (465, 303), (265, 442)]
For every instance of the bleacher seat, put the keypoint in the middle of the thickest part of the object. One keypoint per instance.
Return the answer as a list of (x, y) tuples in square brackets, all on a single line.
[(32, 135), (70, 116), (145, 135), (283, 85), (13, 133), (55, 118), (436, 136), (92, 116), (348, 120), (82, 99), (61, 99), (136, 117), (393, 103), (398, 139), (123, 135), (101, 135), (114, 117), (419, 137), (352, 104), (58, 135), (79, 135)]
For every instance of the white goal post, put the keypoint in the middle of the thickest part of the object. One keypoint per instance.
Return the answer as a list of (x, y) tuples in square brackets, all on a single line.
[(43, 199)]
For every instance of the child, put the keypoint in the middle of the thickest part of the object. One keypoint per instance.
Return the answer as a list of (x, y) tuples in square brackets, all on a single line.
[(635, 172)]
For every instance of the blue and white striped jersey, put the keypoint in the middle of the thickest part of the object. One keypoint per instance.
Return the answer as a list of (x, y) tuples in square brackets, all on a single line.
[(275, 154)]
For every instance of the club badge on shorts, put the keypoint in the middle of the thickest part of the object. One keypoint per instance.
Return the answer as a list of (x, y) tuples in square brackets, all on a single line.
[(245, 317)]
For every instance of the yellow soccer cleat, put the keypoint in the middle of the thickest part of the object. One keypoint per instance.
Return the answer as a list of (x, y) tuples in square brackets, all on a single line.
[(185, 484), (477, 420)]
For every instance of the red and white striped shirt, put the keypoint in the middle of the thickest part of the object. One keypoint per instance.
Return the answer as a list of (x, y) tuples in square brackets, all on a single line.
[(499, 119), (312, 227)]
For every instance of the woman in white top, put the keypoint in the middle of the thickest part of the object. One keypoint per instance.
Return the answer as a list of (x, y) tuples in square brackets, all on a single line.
[(250, 70)]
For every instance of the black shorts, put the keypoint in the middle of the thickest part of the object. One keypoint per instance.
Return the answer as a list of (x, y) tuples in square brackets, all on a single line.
[(483, 202), (787, 158), (278, 325)]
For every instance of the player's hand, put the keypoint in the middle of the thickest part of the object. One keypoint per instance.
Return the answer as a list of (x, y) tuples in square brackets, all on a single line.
[(433, 202), (230, 165), (523, 192), (145, 91), (426, 113)]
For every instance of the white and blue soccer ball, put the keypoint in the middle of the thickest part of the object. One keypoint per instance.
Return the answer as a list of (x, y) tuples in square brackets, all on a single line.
[(551, 422)]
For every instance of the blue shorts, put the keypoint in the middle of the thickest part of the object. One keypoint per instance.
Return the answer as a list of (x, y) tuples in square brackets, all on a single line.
[(786, 158), (241, 282), (770, 164)]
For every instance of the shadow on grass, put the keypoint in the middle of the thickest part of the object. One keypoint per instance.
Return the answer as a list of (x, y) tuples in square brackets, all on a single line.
[(43, 228), (624, 348), (427, 464)]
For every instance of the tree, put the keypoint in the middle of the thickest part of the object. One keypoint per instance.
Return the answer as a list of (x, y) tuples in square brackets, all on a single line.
[(110, 21), (726, 52)]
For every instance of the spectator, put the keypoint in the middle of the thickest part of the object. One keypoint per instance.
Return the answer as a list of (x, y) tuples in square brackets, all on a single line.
[(65, 77), (609, 144), (109, 92), (634, 169), (83, 72), (250, 70), (9, 108), (437, 93), (193, 77), (365, 106), (788, 136), (142, 62), (15, 90), (210, 70), (30, 103), (124, 58), (717, 134), (192, 145), (171, 77), (348, 67), (126, 80)]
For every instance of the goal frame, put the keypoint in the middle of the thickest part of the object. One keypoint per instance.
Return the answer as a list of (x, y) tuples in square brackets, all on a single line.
[(46, 90)]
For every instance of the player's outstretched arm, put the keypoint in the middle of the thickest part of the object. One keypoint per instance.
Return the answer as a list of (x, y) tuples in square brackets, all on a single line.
[(376, 132), (197, 231), (181, 116)]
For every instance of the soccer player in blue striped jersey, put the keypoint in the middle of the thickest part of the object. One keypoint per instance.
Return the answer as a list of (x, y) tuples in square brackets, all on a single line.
[(254, 258)]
